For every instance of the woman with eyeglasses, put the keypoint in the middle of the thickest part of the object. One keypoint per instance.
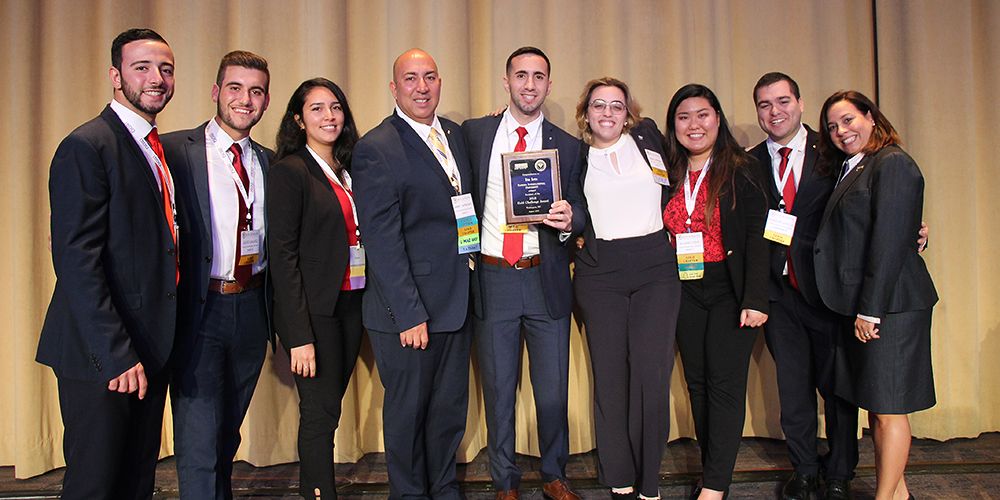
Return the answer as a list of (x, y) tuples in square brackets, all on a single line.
[(626, 286), (317, 264), (716, 221), (868, 269)]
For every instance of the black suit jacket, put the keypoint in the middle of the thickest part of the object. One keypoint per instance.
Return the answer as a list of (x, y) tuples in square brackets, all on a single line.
[(813, 191), (479, 135), (866, 258), (408, 226), (114, 302), (646, 136), (307, 246)]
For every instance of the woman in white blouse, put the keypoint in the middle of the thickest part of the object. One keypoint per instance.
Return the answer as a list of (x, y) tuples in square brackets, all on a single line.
[(627, 287)]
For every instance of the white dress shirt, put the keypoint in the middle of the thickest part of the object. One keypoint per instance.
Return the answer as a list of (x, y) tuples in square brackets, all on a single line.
[(494, 211), (795, 159), (224, 198), (623, 198)]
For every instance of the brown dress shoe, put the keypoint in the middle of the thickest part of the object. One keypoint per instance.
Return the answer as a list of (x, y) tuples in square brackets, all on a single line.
[(558, 490), (508, 495)]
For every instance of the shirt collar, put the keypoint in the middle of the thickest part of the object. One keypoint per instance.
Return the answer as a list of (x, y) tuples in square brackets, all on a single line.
[(423, 130), (854, 160), (222, 139), (136, 125), (533, 127), (798, 143)]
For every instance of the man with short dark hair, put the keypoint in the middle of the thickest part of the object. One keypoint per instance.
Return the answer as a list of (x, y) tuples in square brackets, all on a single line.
[(412, 183), (801, 331), (109, 329), (223, 303), (522, 285)]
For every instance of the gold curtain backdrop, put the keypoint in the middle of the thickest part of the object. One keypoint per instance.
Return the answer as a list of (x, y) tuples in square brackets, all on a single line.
[(934, 63)]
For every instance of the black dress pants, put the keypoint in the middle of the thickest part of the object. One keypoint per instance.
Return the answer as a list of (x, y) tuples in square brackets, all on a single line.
[(715, 353), (338, 340)]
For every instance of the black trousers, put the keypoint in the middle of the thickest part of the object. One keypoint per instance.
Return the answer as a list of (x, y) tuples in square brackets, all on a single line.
[(715, 352), (629, 304), (112, 440), (803, 342), (338, 340)]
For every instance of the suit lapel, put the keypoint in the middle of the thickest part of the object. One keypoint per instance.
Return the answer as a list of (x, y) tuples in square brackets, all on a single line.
[(197, 159), (845, 185), (809, 177), (764, 157), (423, 151), (122, 132), (486, 150), (314, 169)]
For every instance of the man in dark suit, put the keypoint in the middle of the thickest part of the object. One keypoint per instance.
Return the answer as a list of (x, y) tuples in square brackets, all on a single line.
[(522, 280), (109, 329), (801, 332), (222, 303), (412, 183)]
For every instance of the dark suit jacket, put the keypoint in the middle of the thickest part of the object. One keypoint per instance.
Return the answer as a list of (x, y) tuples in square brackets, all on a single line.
[(114, 302), (810, 199), (415, 272), (866, 256), (307, 246), (479, 135), (188, 161)]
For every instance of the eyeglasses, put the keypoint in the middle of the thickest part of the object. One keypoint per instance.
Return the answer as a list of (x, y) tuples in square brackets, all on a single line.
[(599, 105)]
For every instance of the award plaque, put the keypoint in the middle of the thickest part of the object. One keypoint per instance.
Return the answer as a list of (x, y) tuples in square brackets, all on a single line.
[(531, 185)]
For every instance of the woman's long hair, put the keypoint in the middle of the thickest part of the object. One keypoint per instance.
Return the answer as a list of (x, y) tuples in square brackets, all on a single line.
[(292, 137), (883, 133), (728, 157)]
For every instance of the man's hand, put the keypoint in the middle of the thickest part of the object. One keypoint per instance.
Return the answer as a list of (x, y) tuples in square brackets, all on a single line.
[(560, 216), (752, 319), (415, 337), (922, 236), (304, 360), (865, 330), (134, 379)]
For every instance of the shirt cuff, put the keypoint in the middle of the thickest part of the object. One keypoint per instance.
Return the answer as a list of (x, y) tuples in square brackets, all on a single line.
[(870, 319)]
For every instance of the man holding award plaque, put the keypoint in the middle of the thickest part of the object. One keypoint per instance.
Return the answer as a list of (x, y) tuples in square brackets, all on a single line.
[(522, 165)]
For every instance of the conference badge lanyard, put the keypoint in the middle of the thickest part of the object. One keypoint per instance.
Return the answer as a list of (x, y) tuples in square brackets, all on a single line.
[(250, 238), (658, 168), (780, 224), (467, 224), (691, 244), (167, 181), (356, 252)]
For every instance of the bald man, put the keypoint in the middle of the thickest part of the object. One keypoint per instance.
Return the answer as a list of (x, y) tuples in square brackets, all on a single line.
[(412, 183)]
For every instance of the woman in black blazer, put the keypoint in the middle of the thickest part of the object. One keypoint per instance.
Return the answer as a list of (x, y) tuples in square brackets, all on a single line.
[(317, 266), (868, 269), (717, 202), (626, 285)]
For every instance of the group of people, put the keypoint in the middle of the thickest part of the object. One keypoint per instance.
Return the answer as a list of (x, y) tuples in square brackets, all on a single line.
[(179, 259)]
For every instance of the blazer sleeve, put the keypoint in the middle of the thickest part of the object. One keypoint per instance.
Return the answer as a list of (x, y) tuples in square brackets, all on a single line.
[(378, 202), (753, 214), (897, 191), (285, 197), (80, 200), (574, 190)]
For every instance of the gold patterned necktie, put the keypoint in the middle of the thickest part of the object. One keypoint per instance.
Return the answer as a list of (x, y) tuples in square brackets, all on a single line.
[(442, 153)]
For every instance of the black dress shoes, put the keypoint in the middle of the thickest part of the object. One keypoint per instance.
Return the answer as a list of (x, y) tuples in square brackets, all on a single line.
[(800, 487), (838, 489)]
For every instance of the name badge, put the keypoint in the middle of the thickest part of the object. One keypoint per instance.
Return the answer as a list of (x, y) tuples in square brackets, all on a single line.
[(466, 222), (779, 227), (249, 247), (658, 168), (690, 256), (514, 228), (357, 263)]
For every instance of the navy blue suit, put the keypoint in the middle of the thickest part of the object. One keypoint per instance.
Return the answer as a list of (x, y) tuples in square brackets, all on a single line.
[(802, 333), (537, 299), (415, 275), (221, 339), (114, 305)]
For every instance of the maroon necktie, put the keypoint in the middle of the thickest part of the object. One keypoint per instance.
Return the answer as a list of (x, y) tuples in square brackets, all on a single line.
[(241, 273), (788, 194), (153, 138), (513, 243)]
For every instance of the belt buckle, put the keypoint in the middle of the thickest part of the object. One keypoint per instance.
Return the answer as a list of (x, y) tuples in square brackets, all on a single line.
[(517, 265)]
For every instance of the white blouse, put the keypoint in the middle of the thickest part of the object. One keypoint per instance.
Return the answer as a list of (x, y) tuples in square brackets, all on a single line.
[(622, 197)]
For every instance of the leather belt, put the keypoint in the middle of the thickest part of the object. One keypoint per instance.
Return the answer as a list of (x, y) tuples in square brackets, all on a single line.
[(229, 287), (525, 263)]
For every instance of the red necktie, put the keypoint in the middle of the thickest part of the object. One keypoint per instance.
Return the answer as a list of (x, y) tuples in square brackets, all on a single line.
[(241, 273), (513, 243), (788, 194), (153, 138)]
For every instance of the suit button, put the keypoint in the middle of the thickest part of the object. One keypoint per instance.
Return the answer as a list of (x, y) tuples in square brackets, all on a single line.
[(208, 258), (730, 252), (171, 295), (170, 252)]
